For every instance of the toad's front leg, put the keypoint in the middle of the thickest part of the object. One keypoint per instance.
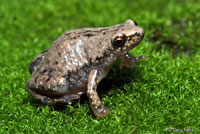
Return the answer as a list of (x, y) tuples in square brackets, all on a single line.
[(95, 103), (130, 61)]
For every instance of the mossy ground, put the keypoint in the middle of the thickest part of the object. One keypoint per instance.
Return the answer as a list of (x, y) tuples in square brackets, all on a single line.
[(158, 94)]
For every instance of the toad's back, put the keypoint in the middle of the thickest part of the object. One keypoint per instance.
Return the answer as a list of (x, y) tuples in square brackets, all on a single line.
[(70, 59), (75, 49)]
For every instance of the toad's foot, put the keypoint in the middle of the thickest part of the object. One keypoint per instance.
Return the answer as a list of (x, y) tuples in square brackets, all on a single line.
[(130, 61), (95, 103), (100, 111)]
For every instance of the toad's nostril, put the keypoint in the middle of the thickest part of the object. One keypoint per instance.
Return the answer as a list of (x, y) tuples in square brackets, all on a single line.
[(137, 34)]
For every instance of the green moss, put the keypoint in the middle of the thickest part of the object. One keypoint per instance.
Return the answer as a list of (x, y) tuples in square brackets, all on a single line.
[(158, 94)]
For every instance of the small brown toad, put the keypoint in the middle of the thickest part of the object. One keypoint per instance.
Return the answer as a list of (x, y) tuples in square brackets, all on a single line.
[(78, 60)]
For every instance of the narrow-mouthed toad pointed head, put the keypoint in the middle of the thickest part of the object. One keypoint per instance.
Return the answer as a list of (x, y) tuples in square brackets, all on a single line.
[(127, 37)]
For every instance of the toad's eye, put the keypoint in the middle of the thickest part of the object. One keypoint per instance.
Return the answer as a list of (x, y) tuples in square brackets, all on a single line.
[(119, 41)]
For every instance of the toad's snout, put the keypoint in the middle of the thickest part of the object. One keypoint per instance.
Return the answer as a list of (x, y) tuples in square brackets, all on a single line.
[(140, 33)]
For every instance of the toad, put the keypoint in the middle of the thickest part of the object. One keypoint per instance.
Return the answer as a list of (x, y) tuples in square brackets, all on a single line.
[(78, 60)]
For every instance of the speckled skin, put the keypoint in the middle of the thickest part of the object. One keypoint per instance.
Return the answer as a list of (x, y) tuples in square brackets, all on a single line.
[(78, 60)]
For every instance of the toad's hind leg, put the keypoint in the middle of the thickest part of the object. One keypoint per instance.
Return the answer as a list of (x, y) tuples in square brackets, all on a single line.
[(51, 90), (67, 99), (36, 61), (52, 86), (95, 103)]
